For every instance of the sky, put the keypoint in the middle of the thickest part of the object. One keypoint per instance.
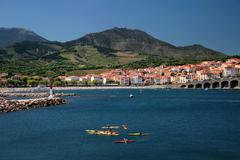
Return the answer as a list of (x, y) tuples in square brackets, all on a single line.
[(212, 23)]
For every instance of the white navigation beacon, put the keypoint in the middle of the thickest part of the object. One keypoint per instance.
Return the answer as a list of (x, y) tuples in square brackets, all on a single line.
[(51, 92)]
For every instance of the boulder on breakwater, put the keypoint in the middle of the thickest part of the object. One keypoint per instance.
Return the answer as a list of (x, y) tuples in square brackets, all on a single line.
[(35, 94), (17, 105)]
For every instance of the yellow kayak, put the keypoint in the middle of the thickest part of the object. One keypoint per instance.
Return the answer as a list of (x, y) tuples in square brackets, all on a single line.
[(105, 132), (91, 131), (137, 134)]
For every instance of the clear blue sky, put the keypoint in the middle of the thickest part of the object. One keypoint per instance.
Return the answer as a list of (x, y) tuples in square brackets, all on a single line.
[(212, 23)]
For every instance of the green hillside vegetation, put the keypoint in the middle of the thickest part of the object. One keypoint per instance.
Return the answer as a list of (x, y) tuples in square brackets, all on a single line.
[(114, 48), (39, 58), (88, 55), (123, 39)]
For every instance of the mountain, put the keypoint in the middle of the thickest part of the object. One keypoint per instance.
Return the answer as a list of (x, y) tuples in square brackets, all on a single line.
[(123, 39), (113, 48), (9, 36)]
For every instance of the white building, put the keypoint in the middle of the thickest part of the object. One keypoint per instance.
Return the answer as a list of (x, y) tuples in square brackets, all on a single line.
[(125, 81), (162, 80), (186, 78), (104, 80), (230, 71), (203, 77), (183, 79), (96, 78), (137, 80), (173, 79), (72, 78)]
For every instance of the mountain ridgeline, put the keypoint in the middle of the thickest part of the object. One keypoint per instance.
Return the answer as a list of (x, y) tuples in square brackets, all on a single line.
[(122, 39), (28, 53), (9, 36)]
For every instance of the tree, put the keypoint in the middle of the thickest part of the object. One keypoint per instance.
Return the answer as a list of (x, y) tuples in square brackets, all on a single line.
[(96, 83), (32, 83), (111, 82), (43, 82), (57, 83)]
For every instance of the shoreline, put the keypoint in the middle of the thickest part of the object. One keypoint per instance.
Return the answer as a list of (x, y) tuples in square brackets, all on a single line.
[(112, 87), (46, 89)]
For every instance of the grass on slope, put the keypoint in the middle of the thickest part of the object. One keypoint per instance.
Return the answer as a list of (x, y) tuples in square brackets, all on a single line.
[(88, 55), (128, 57), (84, 72)]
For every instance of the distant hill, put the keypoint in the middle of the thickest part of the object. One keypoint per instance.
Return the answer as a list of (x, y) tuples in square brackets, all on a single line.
[(123, 39), (113, 48), (9, 36)]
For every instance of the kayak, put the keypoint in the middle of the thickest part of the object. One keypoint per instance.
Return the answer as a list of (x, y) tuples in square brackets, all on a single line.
[(125, 127), (107, 133), (125, 141), (110, 127), (91, 131), (99, 132), (137, 134)]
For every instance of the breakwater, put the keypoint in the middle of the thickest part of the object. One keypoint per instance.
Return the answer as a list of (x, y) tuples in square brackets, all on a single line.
[(17, 105), (34, 95)]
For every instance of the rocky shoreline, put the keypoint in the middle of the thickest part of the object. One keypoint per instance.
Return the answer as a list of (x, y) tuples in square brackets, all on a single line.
[(16, 99), (17, 105), (34, 95)]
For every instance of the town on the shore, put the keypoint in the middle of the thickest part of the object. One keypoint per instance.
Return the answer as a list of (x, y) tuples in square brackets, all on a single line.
[(161, 75)]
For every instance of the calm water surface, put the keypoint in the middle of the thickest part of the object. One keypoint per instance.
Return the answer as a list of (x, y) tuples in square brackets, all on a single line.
[(182, 125)]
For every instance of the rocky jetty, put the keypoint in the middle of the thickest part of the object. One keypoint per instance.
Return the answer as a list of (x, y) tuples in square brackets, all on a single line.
[(17, 105), (34, 95)]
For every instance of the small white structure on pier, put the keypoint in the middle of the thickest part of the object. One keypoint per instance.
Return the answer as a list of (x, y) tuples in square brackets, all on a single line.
[(51, 92)]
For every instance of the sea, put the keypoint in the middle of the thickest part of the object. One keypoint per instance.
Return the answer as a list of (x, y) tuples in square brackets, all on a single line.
[(181, 124)]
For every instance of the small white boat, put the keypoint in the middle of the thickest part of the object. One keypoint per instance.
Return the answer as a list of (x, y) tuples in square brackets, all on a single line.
[(131, 96)]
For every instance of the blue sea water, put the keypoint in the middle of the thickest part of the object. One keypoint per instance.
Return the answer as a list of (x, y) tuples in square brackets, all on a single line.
[(182, 125)]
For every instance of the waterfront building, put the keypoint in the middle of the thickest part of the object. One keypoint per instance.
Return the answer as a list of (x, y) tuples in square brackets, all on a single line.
[(207, 70), (96, 78), (229, 70), (159, 80), (183, 79), (136, 80), (173, 79), (203, 75), (124, 80), (186, 78), (149, 79), (104, 80), (72, 78)]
